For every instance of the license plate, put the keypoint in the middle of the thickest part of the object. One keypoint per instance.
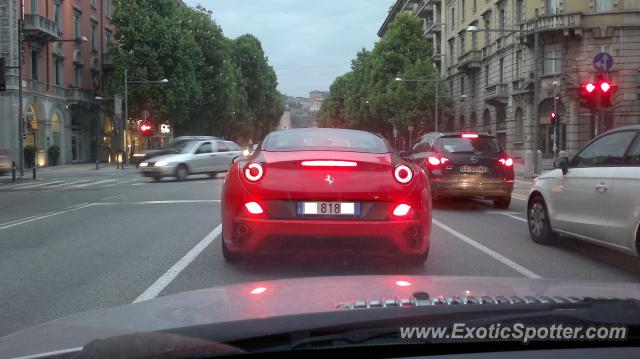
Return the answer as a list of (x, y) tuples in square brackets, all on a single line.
[(328, 208), (474, 169)]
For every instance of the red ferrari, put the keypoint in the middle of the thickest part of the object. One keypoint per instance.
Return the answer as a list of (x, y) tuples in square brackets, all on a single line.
[(325, 190)]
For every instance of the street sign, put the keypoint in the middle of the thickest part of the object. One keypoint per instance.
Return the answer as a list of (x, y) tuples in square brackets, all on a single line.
[(603, 62), (117, 105)]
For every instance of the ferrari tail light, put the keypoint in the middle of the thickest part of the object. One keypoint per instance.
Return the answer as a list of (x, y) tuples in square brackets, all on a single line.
[(403, 174), (253, 171), (401, 210), (253, 208), (329, 163), (434, 161), (469, 135), (507, 162)]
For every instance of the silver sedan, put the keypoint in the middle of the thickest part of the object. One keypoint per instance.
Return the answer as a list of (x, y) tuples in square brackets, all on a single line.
[(197, 157)]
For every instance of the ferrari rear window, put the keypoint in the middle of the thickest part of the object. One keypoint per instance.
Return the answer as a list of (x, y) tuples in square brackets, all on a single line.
[(317, 139)]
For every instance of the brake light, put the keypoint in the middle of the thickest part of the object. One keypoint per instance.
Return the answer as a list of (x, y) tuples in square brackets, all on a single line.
[(330, 163), (508, 162), (469, 135), (401, 210), (403, 174), (253, 171), (436, 161), (253, 208)]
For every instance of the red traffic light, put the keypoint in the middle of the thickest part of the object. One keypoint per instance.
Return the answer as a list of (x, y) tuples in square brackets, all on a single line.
[(605, 86), (146, 128), (590, 87), (553, 115)]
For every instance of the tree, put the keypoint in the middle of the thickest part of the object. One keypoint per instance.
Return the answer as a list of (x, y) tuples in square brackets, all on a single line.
[(368, 97)]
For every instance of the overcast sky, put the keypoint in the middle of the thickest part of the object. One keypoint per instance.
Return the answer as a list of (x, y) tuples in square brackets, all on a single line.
[(308, 42)]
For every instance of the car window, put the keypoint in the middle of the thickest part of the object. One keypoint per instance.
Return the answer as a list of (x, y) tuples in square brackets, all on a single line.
[(456, 144), (325, 139), (420, 147), (633, 158), (232, 146), (204, 148), (222, 147), (606, 151)]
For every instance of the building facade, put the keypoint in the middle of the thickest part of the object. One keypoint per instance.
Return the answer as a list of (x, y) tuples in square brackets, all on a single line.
[(65, 62), (489, 75)]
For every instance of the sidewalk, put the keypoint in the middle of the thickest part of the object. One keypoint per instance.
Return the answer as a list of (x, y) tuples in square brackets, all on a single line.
[(76, 168)]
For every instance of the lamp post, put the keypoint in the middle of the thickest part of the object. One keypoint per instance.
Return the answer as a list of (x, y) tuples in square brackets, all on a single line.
[(536, 84), (126, 105)]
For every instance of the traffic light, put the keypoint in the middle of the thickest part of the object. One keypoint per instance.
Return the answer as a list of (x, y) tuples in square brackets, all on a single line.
[(606, 90), (588, 95), (3, 81), (553, 117), (146, 128)]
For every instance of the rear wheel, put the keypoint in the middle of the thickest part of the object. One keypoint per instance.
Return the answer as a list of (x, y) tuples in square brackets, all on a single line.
[(538, 221), (157, 178), (213, 174), (182, 172), (228, 255), (502, 203)]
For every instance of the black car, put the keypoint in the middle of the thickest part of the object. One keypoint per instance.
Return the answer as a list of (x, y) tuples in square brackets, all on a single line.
[(465, 165)]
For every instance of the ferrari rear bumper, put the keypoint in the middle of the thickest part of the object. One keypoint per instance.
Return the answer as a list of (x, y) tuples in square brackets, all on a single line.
[(266, 236)]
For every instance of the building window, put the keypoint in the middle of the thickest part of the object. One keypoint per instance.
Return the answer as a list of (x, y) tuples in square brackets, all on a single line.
[(518, 10), (94, 36), (55, 129), (57, 14), (77, 32), (474, 40), (518, 64), (78, 75), (552, 61), (453, 17), (552, 7), (487, 34), (58, 64), (462, 42), (95, 83), (462, 6), (475, 7), (462, 84), (93, 3), (502, 21), (108, 7), (486, 76), (604, 5), (451, 51), (35, 64), (518, 126), (34, 8), (474, 84), (501, 70)]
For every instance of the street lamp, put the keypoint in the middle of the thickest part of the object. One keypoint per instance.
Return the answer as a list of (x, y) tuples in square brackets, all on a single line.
[(126, 104), (536, 84)]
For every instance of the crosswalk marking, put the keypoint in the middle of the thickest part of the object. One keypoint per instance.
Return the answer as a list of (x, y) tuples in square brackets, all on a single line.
[(92, 183), (68, 183), (39, 185)]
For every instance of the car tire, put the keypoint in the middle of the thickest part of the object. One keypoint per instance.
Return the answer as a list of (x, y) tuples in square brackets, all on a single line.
[(182, 172), (418, 259), (502, 203), (157, 178), (213, 174), (538, 221), (229, 256)]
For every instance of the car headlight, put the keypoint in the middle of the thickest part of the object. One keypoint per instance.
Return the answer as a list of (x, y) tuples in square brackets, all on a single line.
[(161, 163), (144, 164), (245, 152)]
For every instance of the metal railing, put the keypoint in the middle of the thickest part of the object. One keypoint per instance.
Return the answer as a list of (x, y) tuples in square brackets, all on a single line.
[(34, 23), (470, 56), (553, 22)]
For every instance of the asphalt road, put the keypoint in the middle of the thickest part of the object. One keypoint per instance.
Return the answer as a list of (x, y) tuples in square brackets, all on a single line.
[(80, 239)]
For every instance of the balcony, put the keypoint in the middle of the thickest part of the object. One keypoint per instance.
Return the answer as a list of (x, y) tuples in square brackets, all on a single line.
[(560, 22), (470, 61), (39, 28), (425, 8), (79, 95), (107, 61), (497, 95), (431, 27)]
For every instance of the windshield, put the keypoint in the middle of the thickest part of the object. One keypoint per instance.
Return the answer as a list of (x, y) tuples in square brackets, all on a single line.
[(297, 155), (470, 145), (325, 140)]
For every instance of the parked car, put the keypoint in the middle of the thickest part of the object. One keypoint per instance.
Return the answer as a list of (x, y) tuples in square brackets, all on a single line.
[(595, 196), (465, 165), (192, 157), (174, 147)]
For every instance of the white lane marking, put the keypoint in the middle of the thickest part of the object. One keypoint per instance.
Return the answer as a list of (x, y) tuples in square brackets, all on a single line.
[(52, 353), (69, 183), (39, 185), (510, 214), (177, 268), (36, 218), (25, 218), (92, 183), (138, 184), (159, 202), (497, 256), (110, 197)]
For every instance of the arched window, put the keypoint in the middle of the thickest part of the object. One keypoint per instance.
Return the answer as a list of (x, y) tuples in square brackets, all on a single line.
[(55, 129)]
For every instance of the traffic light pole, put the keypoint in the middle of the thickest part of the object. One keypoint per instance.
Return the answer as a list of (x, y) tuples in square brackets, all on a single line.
[(125, 120), (556, 123), (536, 99), (20, 125)]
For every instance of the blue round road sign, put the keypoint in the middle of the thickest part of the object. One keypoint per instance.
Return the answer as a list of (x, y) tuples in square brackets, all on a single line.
[(603, 62)]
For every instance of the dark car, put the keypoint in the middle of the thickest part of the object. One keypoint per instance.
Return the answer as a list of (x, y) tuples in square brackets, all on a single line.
[(465, 165)]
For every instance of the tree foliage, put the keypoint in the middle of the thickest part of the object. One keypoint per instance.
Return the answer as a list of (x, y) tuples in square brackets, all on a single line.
[(216, 85), (369, 97)]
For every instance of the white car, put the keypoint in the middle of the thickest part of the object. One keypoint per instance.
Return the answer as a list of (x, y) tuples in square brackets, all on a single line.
[(194, 157), (595, 196)]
